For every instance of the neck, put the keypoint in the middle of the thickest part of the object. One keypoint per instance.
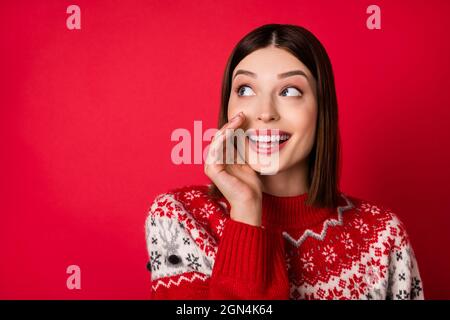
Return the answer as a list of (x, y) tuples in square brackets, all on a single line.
[(290, 182), (291, 212)]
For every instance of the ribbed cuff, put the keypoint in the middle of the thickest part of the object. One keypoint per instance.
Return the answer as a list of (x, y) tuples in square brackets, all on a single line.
[(242, 253)]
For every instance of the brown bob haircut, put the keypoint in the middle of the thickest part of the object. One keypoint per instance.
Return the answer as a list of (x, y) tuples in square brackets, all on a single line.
[(324, 159)]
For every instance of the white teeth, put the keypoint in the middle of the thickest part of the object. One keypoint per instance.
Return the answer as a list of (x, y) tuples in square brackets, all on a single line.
[(266, 138)]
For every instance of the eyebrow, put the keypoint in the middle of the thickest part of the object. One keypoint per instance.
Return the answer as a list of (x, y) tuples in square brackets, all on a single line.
[(280, 76)]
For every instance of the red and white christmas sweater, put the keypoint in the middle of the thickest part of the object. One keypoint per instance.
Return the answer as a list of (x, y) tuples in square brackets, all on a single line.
[(360, 250)]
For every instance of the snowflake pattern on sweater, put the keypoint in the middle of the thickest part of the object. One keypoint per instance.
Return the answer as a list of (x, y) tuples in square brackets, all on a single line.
[(362, 251)]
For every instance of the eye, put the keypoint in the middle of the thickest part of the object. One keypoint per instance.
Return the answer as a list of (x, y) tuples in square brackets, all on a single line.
[(295, 89), (240, 91)]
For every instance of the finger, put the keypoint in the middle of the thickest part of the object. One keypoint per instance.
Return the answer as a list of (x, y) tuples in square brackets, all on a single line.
[(229, 132), (222, 136), (217, 148), (217, 155), (234, 123)]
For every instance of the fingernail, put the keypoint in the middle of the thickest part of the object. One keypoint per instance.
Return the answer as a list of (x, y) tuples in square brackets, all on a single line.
[(235, 117)]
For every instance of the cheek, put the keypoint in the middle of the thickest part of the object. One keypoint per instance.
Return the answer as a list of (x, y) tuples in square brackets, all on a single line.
[(307, 131), (304, 128), (302, 120), (234, 107)]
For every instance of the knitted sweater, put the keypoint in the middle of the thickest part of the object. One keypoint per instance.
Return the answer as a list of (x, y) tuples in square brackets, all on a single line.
[(360, 250)]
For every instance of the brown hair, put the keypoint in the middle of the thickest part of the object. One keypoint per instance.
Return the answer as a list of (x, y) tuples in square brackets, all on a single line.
[(324, 159)]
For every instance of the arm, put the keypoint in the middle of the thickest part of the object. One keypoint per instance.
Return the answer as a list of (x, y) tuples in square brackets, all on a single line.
[(249, 264), (404, 281), (249, 261)]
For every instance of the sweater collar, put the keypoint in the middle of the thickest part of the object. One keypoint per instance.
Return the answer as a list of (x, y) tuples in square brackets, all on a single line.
[(292, 212)]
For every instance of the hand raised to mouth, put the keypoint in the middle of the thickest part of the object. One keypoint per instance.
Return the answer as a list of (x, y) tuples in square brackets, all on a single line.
[(238, 182)]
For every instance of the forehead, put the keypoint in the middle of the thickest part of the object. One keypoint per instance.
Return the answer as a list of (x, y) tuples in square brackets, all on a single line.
[(271, 61)]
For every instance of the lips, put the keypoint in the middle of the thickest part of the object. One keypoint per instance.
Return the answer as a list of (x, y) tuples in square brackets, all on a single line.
[(266, 132), (267, 141)]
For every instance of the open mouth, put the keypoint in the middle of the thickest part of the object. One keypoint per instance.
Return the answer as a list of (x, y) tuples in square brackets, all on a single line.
[(267, 141)]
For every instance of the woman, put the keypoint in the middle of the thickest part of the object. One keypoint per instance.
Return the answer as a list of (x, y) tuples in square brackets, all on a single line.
[(287, 233)]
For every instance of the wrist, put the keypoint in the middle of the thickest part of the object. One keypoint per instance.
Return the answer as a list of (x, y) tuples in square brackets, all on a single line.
[(247, 213)]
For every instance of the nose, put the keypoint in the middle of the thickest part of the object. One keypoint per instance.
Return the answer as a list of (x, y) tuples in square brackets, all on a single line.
[(268, 113)]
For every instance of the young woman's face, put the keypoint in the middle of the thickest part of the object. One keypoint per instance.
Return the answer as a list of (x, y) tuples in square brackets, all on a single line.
[(275, 91)]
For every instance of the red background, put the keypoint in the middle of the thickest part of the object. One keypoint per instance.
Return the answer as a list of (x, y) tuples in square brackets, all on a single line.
[(86, 119)]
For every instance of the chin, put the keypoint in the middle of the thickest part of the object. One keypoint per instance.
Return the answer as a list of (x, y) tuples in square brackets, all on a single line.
[(265, 164), (268, 166)]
